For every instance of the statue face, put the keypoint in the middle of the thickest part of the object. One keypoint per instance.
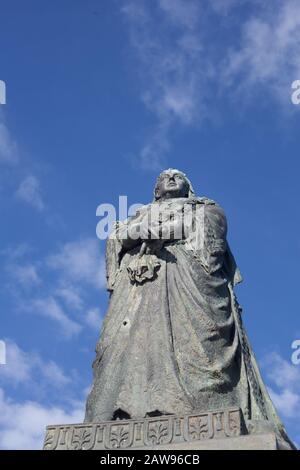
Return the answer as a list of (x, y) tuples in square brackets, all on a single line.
[(172, 185)]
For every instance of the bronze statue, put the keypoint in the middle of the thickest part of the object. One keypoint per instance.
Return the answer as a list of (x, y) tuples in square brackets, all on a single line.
[(173, 341)]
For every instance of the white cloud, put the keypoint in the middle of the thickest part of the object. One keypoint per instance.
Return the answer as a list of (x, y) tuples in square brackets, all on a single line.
[(17, 252), (157, 145), (29, 191), (184, 67), (269, 51), (284, 380), (281, 372), (168, 44), (64, 279), (184, 13), (223, 7), (54, 374), (71, 296), (80, 261), (8, 147), (18, 365), (287, 402), (26, 275), (49, 307), (23, 272), (28, 367), (93, 318), (22, 424)]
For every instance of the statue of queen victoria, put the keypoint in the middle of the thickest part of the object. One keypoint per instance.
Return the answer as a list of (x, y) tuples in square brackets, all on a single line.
[(173, 341)]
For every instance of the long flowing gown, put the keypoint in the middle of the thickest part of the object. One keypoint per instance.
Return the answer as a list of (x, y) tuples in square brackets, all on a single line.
[(175, 343)]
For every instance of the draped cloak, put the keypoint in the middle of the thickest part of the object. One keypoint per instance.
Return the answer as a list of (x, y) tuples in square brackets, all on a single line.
[(175, 343)]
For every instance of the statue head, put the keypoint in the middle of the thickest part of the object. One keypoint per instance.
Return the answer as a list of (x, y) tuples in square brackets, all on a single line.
[(172, 183)]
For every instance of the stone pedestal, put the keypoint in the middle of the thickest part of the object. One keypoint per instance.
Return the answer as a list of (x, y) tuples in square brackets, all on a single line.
[(244, 442), (215, 430)]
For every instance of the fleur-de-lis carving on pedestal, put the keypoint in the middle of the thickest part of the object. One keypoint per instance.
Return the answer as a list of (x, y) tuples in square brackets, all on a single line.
[(49, 439), (118, 437), (80, 438), (157, 432), (199, 428)]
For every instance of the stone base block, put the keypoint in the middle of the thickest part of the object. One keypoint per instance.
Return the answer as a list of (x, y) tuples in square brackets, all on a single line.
[(247, 442), (156, 432), (213, 430)]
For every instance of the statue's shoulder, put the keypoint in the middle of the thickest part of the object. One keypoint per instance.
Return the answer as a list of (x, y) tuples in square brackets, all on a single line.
[(212, 207), (209, 202), (206, 201)]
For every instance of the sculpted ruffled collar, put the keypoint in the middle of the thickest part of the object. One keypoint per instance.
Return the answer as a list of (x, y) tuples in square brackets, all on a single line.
[(184, 200)]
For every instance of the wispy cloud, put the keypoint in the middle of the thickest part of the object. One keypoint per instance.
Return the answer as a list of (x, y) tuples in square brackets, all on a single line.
[(50, 308), (16, 252), (287, 402), (27, 367), (29, 191), (26, 275), (8, 147), (268, 53), (67, 280), (79, 261), (71, 296), (54, 374), (284, 385), (19, 365), (93, 318), (183, 13), (223, 7), (184, 66), (168, 43), (22, 424)]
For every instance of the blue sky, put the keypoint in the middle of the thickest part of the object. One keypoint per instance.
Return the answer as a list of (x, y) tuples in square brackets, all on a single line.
[(101, 96)]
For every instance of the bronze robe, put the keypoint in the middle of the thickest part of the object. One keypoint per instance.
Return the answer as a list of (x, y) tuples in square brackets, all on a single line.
[(175, 343)]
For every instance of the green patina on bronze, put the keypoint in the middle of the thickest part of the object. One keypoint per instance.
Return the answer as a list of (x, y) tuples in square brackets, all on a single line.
[(173, 341)]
